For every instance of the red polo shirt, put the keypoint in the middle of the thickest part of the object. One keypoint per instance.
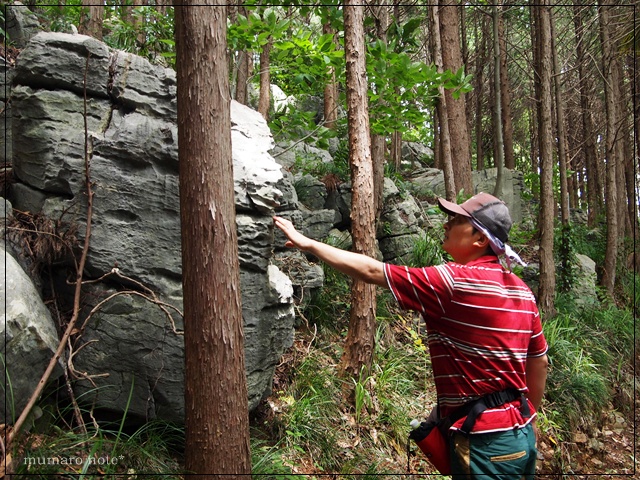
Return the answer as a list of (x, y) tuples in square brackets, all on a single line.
[(482, 324)]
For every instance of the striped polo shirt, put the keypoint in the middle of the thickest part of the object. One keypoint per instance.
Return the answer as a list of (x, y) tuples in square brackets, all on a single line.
[(482, 325)]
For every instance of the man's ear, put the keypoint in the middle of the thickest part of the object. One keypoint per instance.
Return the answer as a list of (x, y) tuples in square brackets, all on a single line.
[(482, 242)]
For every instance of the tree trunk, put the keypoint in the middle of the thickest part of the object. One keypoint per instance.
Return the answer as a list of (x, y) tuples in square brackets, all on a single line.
[(456, 111), (330, 91), (265, 81), (91, 19), (624, 221), (141, 38), (379, 142), (481, 60), (445, 149), (216, 408), (593, 184), (630, 166), (358, 353), (611, 197), (242, 80), (505, 97), (563, 156), (244, 69), (497, 109), (546, 291)]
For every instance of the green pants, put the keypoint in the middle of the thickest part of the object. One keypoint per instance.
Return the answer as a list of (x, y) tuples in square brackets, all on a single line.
[(500, 456)]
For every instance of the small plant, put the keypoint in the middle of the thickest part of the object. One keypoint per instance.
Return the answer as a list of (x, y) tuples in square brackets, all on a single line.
[(426, 251)]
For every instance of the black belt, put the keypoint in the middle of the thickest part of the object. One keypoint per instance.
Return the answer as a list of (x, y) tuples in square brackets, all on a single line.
[(475, 407)]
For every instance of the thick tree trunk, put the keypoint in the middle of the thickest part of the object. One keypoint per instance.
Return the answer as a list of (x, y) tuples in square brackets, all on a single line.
[(216, 407), (456, 111), (445, 149), (91, 19), (358, 353), (543, 68)]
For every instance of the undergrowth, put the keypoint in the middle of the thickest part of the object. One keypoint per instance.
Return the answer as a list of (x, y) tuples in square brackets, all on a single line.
[(311, 426)]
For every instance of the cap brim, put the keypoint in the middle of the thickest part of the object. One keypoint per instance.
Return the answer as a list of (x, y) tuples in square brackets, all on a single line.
[(451, 208)]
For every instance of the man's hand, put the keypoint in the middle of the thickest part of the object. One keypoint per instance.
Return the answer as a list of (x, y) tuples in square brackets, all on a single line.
[(296, 239), (355, 265)]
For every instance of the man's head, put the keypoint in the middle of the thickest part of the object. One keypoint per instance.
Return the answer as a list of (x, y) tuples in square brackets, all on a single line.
[(487, 210)]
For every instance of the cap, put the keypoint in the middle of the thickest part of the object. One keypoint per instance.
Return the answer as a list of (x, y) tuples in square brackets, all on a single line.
[(487, 210)]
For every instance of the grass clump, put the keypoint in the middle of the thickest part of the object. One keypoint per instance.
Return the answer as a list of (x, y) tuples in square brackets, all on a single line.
[(591, 360), (99, 452)]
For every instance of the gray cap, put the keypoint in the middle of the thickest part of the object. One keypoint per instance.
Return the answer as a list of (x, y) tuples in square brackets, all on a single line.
[(487, 210)]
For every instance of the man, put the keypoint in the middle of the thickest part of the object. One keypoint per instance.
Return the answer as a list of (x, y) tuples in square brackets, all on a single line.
[(484, 334)]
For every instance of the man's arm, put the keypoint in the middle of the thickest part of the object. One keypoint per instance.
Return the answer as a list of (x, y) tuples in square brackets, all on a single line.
[(536, 371), (355, 265)]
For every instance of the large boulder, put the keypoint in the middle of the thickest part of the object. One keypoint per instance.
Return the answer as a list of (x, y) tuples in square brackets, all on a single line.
[(30, 338), (431, 181), (133, 342)]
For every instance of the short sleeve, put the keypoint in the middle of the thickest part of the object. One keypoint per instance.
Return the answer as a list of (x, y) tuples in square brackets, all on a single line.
[(425, 290)]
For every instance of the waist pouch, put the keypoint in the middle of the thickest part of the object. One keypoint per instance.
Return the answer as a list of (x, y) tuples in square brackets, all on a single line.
[(434, 443), (433, 437)]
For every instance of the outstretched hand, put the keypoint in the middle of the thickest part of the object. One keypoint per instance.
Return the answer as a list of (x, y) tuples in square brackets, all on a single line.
[(295, 238), (353, 264)]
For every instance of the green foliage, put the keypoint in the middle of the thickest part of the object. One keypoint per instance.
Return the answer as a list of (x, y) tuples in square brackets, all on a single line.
[(295, 123), (151, 35), (565, 256), (303, 62), (148, 451), (3, 34), (313, 410), (267, 461), (317, 168), (401, 90), (258, 28), (586, 346), (427, 251), (329, 306), (590, 242)]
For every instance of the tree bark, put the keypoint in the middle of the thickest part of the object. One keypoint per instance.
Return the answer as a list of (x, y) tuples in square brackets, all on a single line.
[(379, 142), (330, 91), (91, 19), (216, 406), (505, 97), (265, 81), (444, 145), (456, 111), (244, 69), (543, 68), (593, 184), (497, 109), (563, 156), (358, 353), (481, 59), (611, 197)]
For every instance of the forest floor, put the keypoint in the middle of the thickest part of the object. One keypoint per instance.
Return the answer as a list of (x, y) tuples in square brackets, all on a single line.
[(605, 447)]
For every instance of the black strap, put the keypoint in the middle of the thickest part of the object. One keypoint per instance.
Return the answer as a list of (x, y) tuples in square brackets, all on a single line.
[(474, 408)]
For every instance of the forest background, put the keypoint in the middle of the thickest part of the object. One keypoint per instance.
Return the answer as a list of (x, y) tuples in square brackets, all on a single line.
[(545, 88)]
